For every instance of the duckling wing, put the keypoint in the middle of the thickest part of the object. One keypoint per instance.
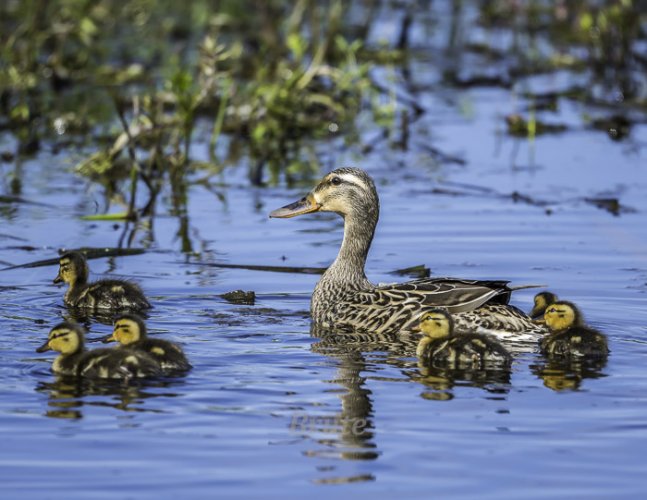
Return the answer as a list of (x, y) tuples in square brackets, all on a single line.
[(113, 294)]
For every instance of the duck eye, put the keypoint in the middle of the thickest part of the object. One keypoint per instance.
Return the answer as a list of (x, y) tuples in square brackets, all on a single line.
[(335, 181)]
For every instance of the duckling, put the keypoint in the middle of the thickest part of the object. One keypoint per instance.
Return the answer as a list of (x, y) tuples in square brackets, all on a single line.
[(68, 339), (100, 295), (130, 331), (569, 336), (441, 346), (541, 302)]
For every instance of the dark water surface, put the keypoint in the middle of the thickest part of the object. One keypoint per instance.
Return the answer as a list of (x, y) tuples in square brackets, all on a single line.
[(269, 410)]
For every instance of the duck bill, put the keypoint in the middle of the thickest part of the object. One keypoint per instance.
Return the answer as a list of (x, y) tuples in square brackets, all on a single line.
[(58, 278), (45, 347), (305, 205), (539, 321), (109, 338)]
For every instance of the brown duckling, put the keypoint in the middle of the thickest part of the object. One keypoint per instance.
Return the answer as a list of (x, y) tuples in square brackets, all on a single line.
[(569, 336), (440, 345), (130, 331), (541, 301), (68, 339), (106, 294)]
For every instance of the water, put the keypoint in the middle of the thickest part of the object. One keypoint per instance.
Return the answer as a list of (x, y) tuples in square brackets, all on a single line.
[(270, 410)]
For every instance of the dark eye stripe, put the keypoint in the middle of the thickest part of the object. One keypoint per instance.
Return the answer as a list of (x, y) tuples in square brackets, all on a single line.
[(58, 335)]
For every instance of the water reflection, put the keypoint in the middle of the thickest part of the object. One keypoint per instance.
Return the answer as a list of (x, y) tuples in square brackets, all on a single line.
[(440, 380), (67, 396), (568, 374), (349, 433)]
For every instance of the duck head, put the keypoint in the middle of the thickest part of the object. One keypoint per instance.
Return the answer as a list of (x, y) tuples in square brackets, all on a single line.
[(345, 191), (541, 302), (73, 268), (128, 328), (436, 324), (562, 315), (66, 338)]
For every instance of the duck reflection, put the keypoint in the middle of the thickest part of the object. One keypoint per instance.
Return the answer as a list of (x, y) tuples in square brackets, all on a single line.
[(563, 374), (350, 433), (67, 396)]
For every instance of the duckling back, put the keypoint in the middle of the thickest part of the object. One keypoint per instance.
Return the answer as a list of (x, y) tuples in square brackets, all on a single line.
[(110, 294), (576, 342), (467, 350), (117, 364), (170, 356)]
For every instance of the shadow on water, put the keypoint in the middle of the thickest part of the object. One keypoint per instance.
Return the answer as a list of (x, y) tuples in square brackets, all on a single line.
[(67, 396)]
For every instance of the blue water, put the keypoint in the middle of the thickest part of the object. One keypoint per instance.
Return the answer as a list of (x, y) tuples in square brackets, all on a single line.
[(268, 410)]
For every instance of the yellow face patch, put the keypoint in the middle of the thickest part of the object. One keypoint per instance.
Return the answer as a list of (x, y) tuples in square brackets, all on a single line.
[(64, 341), (126, 331), (559, 317), (66, 271), (435, 325)]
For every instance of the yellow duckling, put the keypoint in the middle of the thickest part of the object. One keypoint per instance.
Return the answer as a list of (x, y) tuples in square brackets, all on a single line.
[(465, 350), (68, 339), (130, 331), (569, 336), (100, 295), (541, 302)]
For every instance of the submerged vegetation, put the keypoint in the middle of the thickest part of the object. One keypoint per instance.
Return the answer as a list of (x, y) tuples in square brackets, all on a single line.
[(148, 91)]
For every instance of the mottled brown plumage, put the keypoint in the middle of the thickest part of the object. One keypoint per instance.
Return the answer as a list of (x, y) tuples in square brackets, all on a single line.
[(345, 299)]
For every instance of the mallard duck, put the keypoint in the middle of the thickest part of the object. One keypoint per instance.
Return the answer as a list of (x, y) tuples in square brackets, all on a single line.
[(569, 337), (441, 346), (130, 331), (344, 299), (541, 301), (68, 339), (107, 294)]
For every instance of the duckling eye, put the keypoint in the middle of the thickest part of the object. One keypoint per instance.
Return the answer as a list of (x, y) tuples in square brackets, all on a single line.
[(335, 181)]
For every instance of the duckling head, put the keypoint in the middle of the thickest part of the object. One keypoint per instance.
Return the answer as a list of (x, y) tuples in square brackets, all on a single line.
[(345, 191), (562, 315), (66, 338), (73, 268), (129, 328), (436, 324), (542, 301)]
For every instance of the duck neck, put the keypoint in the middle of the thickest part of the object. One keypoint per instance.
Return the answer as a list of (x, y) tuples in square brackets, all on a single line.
[(75, 288), (348, 267)]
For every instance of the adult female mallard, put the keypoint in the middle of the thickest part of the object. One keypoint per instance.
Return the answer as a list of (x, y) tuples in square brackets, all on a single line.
[(108, 294), (345, 299), (68, 339), (569, 337), (130, 332), (440, 346)]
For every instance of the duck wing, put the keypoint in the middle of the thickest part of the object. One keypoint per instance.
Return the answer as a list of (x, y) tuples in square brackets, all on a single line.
[(456, 295), (399, 307)]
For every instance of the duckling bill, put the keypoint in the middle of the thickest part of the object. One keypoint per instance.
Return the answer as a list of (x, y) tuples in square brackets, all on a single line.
[(131, 333), (68, 339), (441, 346), (569, 336), (106, 294)]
